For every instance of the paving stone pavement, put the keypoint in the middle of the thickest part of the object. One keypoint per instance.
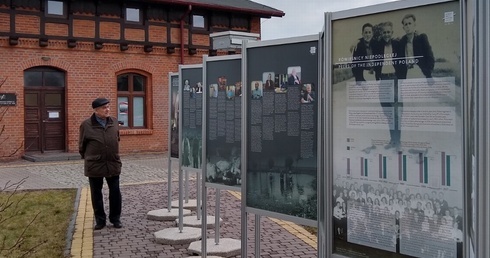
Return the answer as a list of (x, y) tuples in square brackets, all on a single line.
[(144, 188)]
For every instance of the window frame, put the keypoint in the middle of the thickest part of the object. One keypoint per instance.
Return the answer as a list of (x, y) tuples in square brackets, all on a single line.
[(44, 70), (130, 94), (54, 15), (140, 15), (204, 20)]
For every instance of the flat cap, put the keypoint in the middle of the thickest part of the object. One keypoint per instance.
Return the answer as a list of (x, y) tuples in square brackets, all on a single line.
[(99, 102)]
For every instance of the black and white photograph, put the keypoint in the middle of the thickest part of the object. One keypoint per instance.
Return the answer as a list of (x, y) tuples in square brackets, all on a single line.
[(398, 166)]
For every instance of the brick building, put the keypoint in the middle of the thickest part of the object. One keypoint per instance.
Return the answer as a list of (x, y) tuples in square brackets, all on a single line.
[(57, 56)]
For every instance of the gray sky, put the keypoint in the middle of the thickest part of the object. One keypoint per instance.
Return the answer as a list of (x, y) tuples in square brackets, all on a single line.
[(304, 17)]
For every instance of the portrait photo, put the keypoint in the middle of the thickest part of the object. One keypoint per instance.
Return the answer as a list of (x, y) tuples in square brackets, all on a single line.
[(187, 86), (294, 75), (238, 89), (307, 93), (230, 91), (222, 83), (268, 80), (213, 90), (257, 88)]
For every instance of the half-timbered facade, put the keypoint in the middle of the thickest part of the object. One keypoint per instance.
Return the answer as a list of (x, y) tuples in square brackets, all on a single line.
[(57, 56)]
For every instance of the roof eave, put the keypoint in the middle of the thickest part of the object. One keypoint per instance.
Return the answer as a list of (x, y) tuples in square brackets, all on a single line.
[(260, 13)]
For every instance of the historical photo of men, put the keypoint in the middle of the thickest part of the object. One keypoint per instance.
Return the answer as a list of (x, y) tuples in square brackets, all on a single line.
[(403, 194)]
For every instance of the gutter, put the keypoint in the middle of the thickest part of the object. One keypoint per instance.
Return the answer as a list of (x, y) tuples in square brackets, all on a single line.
[(189, 9)]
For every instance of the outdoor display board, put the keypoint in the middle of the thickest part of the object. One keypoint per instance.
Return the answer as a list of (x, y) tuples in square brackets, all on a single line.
[(223, 107), (191, 116), (281, 123), (173, 79), (397, 131)]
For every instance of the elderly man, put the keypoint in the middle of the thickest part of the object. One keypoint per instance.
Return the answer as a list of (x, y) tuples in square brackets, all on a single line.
[(99, 147)]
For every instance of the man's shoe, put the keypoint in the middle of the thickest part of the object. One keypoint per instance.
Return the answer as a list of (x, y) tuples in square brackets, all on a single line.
[(99, 226), (117, 225)]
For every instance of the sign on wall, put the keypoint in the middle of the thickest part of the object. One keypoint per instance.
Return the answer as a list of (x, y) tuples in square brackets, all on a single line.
[(8, 99)]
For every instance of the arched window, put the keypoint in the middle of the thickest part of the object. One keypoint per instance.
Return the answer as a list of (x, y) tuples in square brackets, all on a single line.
[(131, 100), (44, 77)]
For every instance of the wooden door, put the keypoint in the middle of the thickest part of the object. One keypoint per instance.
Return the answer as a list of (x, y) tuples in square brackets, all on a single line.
[(45, 119)]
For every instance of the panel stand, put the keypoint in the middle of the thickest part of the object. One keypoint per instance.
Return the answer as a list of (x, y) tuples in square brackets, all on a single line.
[(181, 235), (167, 214)]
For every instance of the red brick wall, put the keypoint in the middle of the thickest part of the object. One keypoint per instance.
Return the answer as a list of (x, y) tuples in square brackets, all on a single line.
[(255, 28), (134, 34), (27, 24), (55, 29), (92, 73), (157, 33), (200, 39), (83, 28), (110, 30), (4, 22)]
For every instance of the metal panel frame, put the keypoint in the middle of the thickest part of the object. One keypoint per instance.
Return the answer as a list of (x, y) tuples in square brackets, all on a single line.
[(243, 204), (327, 124), (181, 188), (205, 185), (328, 115), (169, 172), (207, 59), (482, 79), (183, 67), (246, 95), (245, 89), (386, 7)]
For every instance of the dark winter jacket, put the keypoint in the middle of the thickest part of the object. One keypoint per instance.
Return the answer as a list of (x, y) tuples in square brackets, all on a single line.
[(99, 147)]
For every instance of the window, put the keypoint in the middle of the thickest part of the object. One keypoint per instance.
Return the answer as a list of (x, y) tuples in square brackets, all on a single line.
[(44, 76), (198, 22), (55, 8), (133, 15), (131, 100)]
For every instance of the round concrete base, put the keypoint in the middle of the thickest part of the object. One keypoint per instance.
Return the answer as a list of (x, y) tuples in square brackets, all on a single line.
[(190, 205), (227, 247), (165, 214), (192, 221), (173, 236)]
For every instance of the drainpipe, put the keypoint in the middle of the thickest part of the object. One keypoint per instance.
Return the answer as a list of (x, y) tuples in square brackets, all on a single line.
[(182, 33)]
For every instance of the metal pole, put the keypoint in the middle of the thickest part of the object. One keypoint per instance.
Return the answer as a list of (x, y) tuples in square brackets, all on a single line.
[(257, 236), (169, 171), (482, 38), (204, 230), (243, 203), (204, 194), (181, 189), (216, 217), (186, 186), (169, 178), (181, 202), (198, 194)]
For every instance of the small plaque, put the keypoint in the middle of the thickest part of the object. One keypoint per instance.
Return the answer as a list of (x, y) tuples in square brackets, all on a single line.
[(8, 99), (53, 114)]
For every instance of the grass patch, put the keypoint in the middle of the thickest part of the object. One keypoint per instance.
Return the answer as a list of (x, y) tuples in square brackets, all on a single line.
[(34, 223)]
